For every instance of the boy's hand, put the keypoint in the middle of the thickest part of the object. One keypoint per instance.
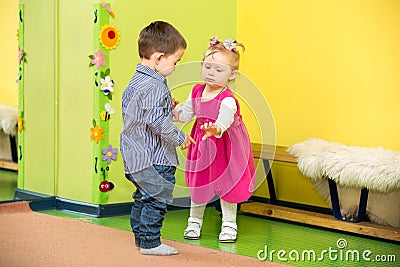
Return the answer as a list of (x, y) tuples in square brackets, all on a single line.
[(174, 103), (210, 129), (188, 141), (175, 115)]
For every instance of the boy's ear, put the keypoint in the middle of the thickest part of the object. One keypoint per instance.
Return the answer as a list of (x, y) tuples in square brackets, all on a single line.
[(158, 56)]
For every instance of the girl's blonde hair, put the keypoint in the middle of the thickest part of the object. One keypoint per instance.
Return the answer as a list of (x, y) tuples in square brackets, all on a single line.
[(232, 53)]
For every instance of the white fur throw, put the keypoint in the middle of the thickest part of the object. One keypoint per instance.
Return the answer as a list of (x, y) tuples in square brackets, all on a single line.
[(8, 119), (377, 169)]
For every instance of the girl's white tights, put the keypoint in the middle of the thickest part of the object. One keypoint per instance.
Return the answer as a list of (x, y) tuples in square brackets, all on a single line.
[(229, 211)]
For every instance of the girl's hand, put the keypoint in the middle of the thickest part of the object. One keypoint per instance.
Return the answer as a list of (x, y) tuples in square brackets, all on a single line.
[(210, 129), (188, 141), (174, 103)]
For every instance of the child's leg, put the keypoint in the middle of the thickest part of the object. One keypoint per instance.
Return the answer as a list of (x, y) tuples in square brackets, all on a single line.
[(135, 216), (197, 212), (195, 221), (229, 226), (155, 186), (136, 210)]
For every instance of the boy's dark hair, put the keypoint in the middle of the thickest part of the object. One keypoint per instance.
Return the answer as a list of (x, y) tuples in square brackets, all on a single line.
[(159, 36)]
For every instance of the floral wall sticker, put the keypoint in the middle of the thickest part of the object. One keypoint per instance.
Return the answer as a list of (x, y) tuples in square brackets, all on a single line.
[(20, 122), (97, 133), (21, 95), (109, 36), (97, 59), (105, 185), (109, 154), (108, 9), (106, 114), (106, 83), (106, 39)]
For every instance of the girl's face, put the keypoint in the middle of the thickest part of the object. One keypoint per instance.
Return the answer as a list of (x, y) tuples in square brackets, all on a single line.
[(216, 70)]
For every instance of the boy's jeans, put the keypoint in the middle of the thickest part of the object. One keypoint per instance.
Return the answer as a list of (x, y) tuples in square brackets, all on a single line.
[(154, 186)]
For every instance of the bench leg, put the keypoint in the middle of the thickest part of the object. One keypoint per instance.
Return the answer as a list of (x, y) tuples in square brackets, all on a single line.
[(270, 182), (13, 146), (336, 204), (362, 208)]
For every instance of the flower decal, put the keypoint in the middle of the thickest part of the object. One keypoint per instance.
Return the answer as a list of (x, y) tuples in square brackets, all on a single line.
[(20, 124), (109, 36), (97, 59), (109, 154), (106, 85), (20, 55), (97, 133)]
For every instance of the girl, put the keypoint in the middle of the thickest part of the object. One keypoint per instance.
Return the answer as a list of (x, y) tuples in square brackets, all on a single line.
[(221, 162)]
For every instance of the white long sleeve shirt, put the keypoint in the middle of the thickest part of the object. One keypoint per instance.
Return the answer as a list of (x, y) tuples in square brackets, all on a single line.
[(227, 110)]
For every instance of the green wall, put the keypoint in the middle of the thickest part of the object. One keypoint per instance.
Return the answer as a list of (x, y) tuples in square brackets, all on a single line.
[(75, 98), (59, 84), (40, 108), (197, 22)]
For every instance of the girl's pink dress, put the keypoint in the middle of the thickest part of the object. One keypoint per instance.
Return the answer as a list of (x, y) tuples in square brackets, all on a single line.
[(219, 166)]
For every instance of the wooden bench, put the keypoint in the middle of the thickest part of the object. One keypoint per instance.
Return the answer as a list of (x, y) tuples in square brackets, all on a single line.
[(8, 135), (8, 164), (13, 163), (275, 210)]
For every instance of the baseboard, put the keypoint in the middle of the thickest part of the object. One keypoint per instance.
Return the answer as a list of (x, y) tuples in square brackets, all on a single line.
[(38, 202)]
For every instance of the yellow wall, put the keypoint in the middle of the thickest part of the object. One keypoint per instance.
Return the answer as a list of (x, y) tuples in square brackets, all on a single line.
[(9, 52), (329, 69)]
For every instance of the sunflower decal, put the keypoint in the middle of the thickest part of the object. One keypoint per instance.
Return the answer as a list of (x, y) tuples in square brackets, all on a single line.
[(109, 36)]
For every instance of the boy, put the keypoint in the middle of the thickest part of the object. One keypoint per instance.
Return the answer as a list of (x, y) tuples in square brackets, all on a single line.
[(149, 137)]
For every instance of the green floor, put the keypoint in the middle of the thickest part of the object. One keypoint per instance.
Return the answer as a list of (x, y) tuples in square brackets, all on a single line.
[(282, 241), (8, 183), (260, 234)]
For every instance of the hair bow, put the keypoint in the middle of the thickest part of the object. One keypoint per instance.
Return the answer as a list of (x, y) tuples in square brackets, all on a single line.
[(229, 44), (214, 41)]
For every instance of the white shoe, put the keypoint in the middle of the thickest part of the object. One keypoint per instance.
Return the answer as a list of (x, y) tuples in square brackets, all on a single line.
[(193, 230), (228, 232)]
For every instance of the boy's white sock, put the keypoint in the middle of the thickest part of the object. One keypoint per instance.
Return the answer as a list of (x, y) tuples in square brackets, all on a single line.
[(161, 250)]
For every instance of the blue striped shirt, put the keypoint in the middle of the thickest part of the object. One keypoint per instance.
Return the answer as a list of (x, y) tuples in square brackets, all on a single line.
[(149, 136)]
